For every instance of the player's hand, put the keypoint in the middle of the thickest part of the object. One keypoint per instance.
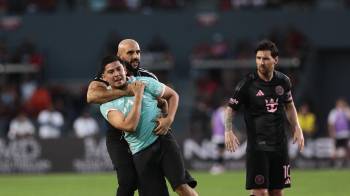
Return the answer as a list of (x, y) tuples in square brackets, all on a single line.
[(298, 138), (231, 141), (163, 126), (129, 90), (137, 88)]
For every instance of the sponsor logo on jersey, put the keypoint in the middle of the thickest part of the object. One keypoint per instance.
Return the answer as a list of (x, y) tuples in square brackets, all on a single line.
[(271, 105), (233, 101), (260, 93), (279, 90)]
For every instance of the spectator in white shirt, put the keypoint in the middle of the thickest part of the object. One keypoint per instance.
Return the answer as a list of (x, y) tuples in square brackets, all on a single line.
[(21, 127), (50, 123), (85, 125)]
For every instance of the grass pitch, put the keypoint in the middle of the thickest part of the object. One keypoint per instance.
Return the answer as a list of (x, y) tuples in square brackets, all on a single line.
[(304, 183)]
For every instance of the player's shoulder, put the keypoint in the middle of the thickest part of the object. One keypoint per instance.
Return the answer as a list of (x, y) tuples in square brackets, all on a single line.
[(116, 104), (333, 112), (251, 76), (281, 76), (246, 80), (145, 79), (107, 104), (147, 73), (148, 79)]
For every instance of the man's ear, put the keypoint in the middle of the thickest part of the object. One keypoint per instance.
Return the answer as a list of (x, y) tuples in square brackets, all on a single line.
[(276, 60)]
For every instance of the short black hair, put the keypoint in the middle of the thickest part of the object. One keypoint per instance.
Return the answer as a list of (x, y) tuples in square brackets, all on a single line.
[(267, 45), (105, 61)]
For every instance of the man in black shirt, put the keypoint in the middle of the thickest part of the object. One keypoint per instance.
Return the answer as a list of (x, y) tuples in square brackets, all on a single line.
[(266, 99), (118, 149)]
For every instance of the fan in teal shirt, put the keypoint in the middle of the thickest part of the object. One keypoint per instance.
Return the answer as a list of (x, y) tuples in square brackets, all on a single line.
[(144, 134)]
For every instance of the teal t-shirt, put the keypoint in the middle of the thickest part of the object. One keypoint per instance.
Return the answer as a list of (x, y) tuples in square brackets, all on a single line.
[(144, 134)]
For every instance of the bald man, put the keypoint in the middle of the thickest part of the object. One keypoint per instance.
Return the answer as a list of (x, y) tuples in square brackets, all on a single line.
[(129, 54)]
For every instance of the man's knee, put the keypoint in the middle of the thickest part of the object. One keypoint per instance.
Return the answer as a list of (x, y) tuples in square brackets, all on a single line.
[(185, 190), (275, 192), (259, 192), (126, 188), (127, 184), (127, 177)]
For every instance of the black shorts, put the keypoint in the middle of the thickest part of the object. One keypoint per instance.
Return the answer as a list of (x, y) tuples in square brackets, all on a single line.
[(119, 152), (341, 143), (160, 159), (267, 169)]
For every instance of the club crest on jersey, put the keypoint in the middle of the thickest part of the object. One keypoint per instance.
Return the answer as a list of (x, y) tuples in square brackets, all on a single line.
[(260, 93), (233, 101), (279, 90), (271, 105), (259, 179)]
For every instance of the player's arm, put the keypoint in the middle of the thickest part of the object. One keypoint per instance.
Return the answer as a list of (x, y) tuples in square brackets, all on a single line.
[(292, 117), (347, 111), (128, 123), (231, 141), (172, 99), (98, 93), (331, 128), (163, 105), (234, 103)]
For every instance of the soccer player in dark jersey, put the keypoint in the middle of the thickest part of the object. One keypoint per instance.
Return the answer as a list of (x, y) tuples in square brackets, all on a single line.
[(129, 53), (266, 99)]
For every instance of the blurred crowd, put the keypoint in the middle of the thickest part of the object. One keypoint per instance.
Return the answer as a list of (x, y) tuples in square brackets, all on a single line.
[(292, 42), (25, 52), (30, 105), (47, 6)]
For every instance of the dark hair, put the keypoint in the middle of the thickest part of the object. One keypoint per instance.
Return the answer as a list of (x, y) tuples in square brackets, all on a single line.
[(105, 61), (267, 45)]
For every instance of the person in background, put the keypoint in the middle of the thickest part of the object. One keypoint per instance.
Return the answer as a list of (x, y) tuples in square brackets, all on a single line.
[(339, 130), (50, 123), (85, 125), (218, 138), (21, 127), (307, 120)]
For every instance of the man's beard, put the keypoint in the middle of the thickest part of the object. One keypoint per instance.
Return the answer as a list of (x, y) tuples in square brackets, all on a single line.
[(265, 70), (130, 67)]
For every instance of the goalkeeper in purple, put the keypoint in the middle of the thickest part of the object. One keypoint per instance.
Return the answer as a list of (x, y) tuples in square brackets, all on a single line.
[(154, 156)]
